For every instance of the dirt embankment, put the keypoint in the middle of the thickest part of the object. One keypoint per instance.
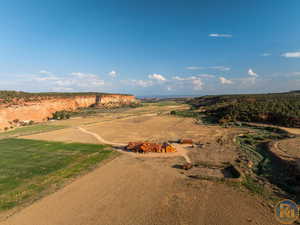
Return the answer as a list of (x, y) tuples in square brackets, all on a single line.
[(41, 110), (286, 158)]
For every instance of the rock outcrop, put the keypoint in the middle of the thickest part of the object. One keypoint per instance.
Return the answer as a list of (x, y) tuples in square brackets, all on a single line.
[(115, 100), (40, 110)]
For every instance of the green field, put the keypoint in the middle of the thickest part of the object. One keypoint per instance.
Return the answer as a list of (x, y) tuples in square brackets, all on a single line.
[(30, 168), (28, 130)]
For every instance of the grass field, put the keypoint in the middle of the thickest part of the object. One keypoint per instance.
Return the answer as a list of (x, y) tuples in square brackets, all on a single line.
[(31, 168), (27, 130)]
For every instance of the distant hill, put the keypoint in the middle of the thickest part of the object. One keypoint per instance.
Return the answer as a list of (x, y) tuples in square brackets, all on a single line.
[(275, 108)]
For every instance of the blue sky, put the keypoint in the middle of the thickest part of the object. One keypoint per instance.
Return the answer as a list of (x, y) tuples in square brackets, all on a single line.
[(150, 47)]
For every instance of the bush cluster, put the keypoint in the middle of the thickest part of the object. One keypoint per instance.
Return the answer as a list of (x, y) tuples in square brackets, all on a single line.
[(61, 115)]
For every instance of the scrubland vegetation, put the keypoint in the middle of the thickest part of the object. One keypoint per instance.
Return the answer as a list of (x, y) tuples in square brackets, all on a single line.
[(279, 109)]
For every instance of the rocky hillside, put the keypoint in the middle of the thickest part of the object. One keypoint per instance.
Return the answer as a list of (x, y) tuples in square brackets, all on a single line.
[(26, 107)]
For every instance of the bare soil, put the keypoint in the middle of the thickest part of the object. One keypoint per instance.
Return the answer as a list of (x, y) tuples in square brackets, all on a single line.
[(290, 147)]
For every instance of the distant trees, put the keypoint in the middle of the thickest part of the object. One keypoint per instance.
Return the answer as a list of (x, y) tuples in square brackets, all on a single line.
[(280, 109)]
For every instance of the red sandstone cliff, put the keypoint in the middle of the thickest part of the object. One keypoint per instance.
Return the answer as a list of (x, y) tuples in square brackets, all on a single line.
[(41, 110)]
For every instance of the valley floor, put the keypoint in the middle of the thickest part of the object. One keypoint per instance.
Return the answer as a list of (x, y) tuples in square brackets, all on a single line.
[(137, 190)]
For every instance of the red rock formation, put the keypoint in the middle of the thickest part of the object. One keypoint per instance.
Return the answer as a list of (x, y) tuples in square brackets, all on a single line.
[(40, 110)]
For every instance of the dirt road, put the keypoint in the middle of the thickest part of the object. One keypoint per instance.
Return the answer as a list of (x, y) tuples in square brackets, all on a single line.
[(99, 138)]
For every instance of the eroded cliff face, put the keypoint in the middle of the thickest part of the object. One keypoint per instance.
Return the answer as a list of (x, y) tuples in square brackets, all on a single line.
[(42, 110), (116, 100)]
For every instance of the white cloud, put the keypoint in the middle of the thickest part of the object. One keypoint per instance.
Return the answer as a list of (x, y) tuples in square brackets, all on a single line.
[(252, 73), (291, 55), (142, 83), (156, 76), (220, 35), (206, 75), (178, 78), (46, 78), (176, 83), (220, 68), (184, 78), (154, 79), (113, 73), (44, 72), (195, 82), (194, 68), (266, 54), (74, 81), (84, 75), (223, 80)]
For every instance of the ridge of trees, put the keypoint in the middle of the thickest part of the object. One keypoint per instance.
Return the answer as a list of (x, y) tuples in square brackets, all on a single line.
[(275, 108)]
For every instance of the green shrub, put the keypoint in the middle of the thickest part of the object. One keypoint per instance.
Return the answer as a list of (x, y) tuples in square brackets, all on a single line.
[(186, 113), (61, 115)]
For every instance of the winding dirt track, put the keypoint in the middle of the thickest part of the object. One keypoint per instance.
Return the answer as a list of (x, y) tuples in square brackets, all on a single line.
[(99, 138)]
